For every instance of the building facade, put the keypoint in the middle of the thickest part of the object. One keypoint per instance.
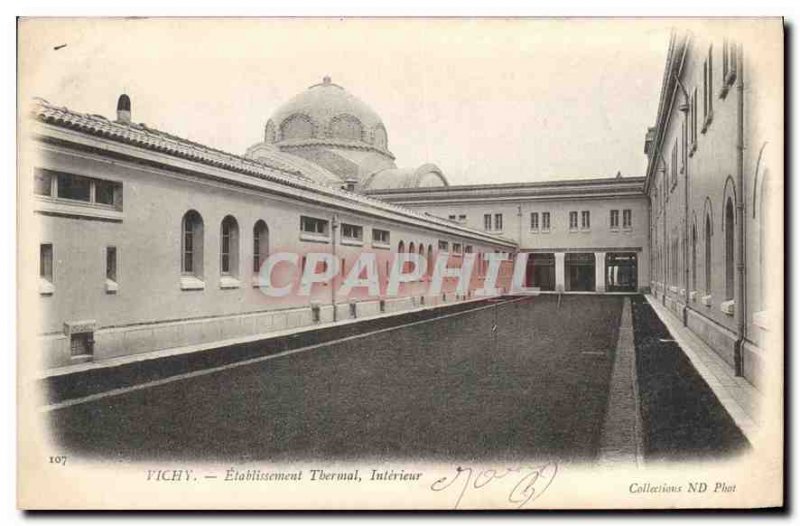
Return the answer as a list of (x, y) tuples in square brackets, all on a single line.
[(587, 235), (714, 183), (146, 241)]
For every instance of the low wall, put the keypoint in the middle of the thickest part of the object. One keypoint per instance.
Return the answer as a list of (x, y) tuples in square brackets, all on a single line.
[(113, 342)]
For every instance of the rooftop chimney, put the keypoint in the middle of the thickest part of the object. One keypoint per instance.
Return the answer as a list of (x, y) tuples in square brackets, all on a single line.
[(648, 140), (350, 184), (124, 109)]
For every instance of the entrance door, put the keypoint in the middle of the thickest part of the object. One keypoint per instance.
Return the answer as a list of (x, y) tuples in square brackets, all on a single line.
[(579, 271), (541, 271), (621, 272)]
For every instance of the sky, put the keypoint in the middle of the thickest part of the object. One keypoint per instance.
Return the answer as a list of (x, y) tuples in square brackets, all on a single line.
[(487, 100)]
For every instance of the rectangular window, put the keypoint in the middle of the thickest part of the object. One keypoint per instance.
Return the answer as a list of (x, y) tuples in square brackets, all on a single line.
[(46, 261), (546, 221), (111, 263), (462, 218), (534, 221), (77, 188), (42, 182), (498, 222), (380, 236), (573, 220), (74, 187), (451, 217), (353, 232), (487, 221), (104, 192), (626, 218), (312, 225), (614, 219), (456, 248), (443, 245), (585, 223)]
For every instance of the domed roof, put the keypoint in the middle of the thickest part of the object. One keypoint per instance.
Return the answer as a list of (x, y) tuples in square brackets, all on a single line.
[(327, 115)]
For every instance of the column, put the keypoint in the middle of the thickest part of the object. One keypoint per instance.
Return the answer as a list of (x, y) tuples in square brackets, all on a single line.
[(559, 271), (600, 271)]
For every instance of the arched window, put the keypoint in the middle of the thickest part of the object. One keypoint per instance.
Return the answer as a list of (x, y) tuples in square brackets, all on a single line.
[(430, 260), (229, 247), (708, 254), (400, 248), (260, 245), (421, 250), (192, 244), (346, 127), (297, 126), (764, 213), (729, 250)]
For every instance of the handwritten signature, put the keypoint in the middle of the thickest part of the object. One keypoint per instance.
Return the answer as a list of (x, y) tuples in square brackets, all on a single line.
[(527, 482)]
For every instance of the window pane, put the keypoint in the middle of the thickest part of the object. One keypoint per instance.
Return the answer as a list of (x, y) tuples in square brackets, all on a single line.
[(188, 244), (42, 183), (111, 263), (73, 187), (46, 261), (104, 192)]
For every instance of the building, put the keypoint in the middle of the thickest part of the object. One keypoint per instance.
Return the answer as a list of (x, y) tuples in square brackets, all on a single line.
[(146, 241), (587, 235), (714, 182)]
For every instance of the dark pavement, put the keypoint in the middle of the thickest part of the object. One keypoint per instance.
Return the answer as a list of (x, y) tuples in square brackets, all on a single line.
[(450, 389)]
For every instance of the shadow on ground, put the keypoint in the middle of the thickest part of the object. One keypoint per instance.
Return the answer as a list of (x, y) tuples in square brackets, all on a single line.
[(681, 416)]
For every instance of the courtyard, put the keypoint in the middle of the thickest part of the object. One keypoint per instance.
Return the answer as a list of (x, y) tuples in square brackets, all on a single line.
[(521, 378)]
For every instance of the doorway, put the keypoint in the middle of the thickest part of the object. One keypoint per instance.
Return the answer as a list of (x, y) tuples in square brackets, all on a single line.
[(579, 271), (621, 272), (541, 271)]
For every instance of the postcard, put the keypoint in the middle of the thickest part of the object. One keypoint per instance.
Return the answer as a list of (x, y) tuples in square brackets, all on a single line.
[(400, 263)]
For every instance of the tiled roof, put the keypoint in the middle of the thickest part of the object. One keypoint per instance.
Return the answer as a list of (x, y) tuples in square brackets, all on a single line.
[(149, 138), (143, 136)]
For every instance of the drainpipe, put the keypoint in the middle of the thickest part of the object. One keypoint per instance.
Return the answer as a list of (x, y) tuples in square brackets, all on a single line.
[(334, 228), (738, 353), (664, 240)]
